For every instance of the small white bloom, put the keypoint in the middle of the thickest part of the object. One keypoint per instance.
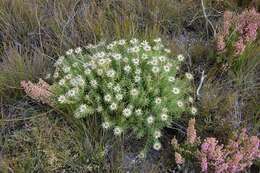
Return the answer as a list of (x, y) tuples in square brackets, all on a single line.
[(62, 99), (135, 49), (69, 52), (59, 61), (155, 69), (191, 100), (137, 78), (157, 146), (119, 97), (99, 109), (167, 50), (127, 112), (158, 100), (189, 76), (48, 76), (157, 40), (135, 61), (105, 125), (93, 83), (113, 106), (180, 57), (117, 131), (62, 82), (111, 73), (117, 56), (100, 72), (107, 98), (138, 112), (147, 48), (157, 134), (100, 54), (82, 108), (194, 110), (110, 85), (117, 88), (180, 104), (68, 77), (166, 68), (72, 92), (171, 79), (144, 56), (101, 61), (134, 41), (150, 120), (78, 50), (141, 155), (134, 92), (162, 58), (121, 42), (66, 69), (87, 71), (138, 71), (154, 61), (164, 117), (176, 90)]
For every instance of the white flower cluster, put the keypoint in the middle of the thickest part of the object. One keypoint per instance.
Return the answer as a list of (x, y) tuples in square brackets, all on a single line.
[(131, 84)]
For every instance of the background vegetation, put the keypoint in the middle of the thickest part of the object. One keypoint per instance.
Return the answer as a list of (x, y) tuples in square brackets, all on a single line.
[(35, 138)]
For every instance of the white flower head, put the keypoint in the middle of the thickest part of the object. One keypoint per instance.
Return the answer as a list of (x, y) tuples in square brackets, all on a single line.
[(127, 68), (167, 50), (135, 49), (62, 82), (138, 71), (69, 52), (111, 73), (155, 69), (82, 108), (180, 104), (135, 61), (117, 56), (121, 42), (157, 134), (154, 61), (150, 120), (68, 76), (137, 78), (164, 117), (189, 76), (113, 106), (144, 56), (162, 58), (105, 125), (119, 97), (87, 71), (158, 100), (99, 109), (176, 90), (107, 98), (166, 68), (134, 92), (56, 74), (138, 112), (194, 110), (66, 69), (171, 79), (147, 48), (157, 40), (117, 88), (134, 41), (62, 99), (191, 100), (127, 112), (117, 131), (72, 92), (157, 146), (59, 61), (110, 85), (93, 83), (78, 50), (180, 57), (101, 61), (100, 72)]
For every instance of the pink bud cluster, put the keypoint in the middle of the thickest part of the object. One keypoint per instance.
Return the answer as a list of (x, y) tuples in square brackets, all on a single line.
[(245, 24), (39, 92), (235, 157)]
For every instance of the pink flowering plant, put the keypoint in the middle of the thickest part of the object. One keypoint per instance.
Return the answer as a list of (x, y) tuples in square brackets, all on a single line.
[(237, 156), (133, 85), (238, 36)]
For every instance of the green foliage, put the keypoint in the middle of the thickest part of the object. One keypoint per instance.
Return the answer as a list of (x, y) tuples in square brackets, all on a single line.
[(131, 84)]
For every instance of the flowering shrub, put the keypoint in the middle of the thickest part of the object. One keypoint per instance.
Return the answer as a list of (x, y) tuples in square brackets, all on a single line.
[(236, 156), (238, 31), (131, 84)]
